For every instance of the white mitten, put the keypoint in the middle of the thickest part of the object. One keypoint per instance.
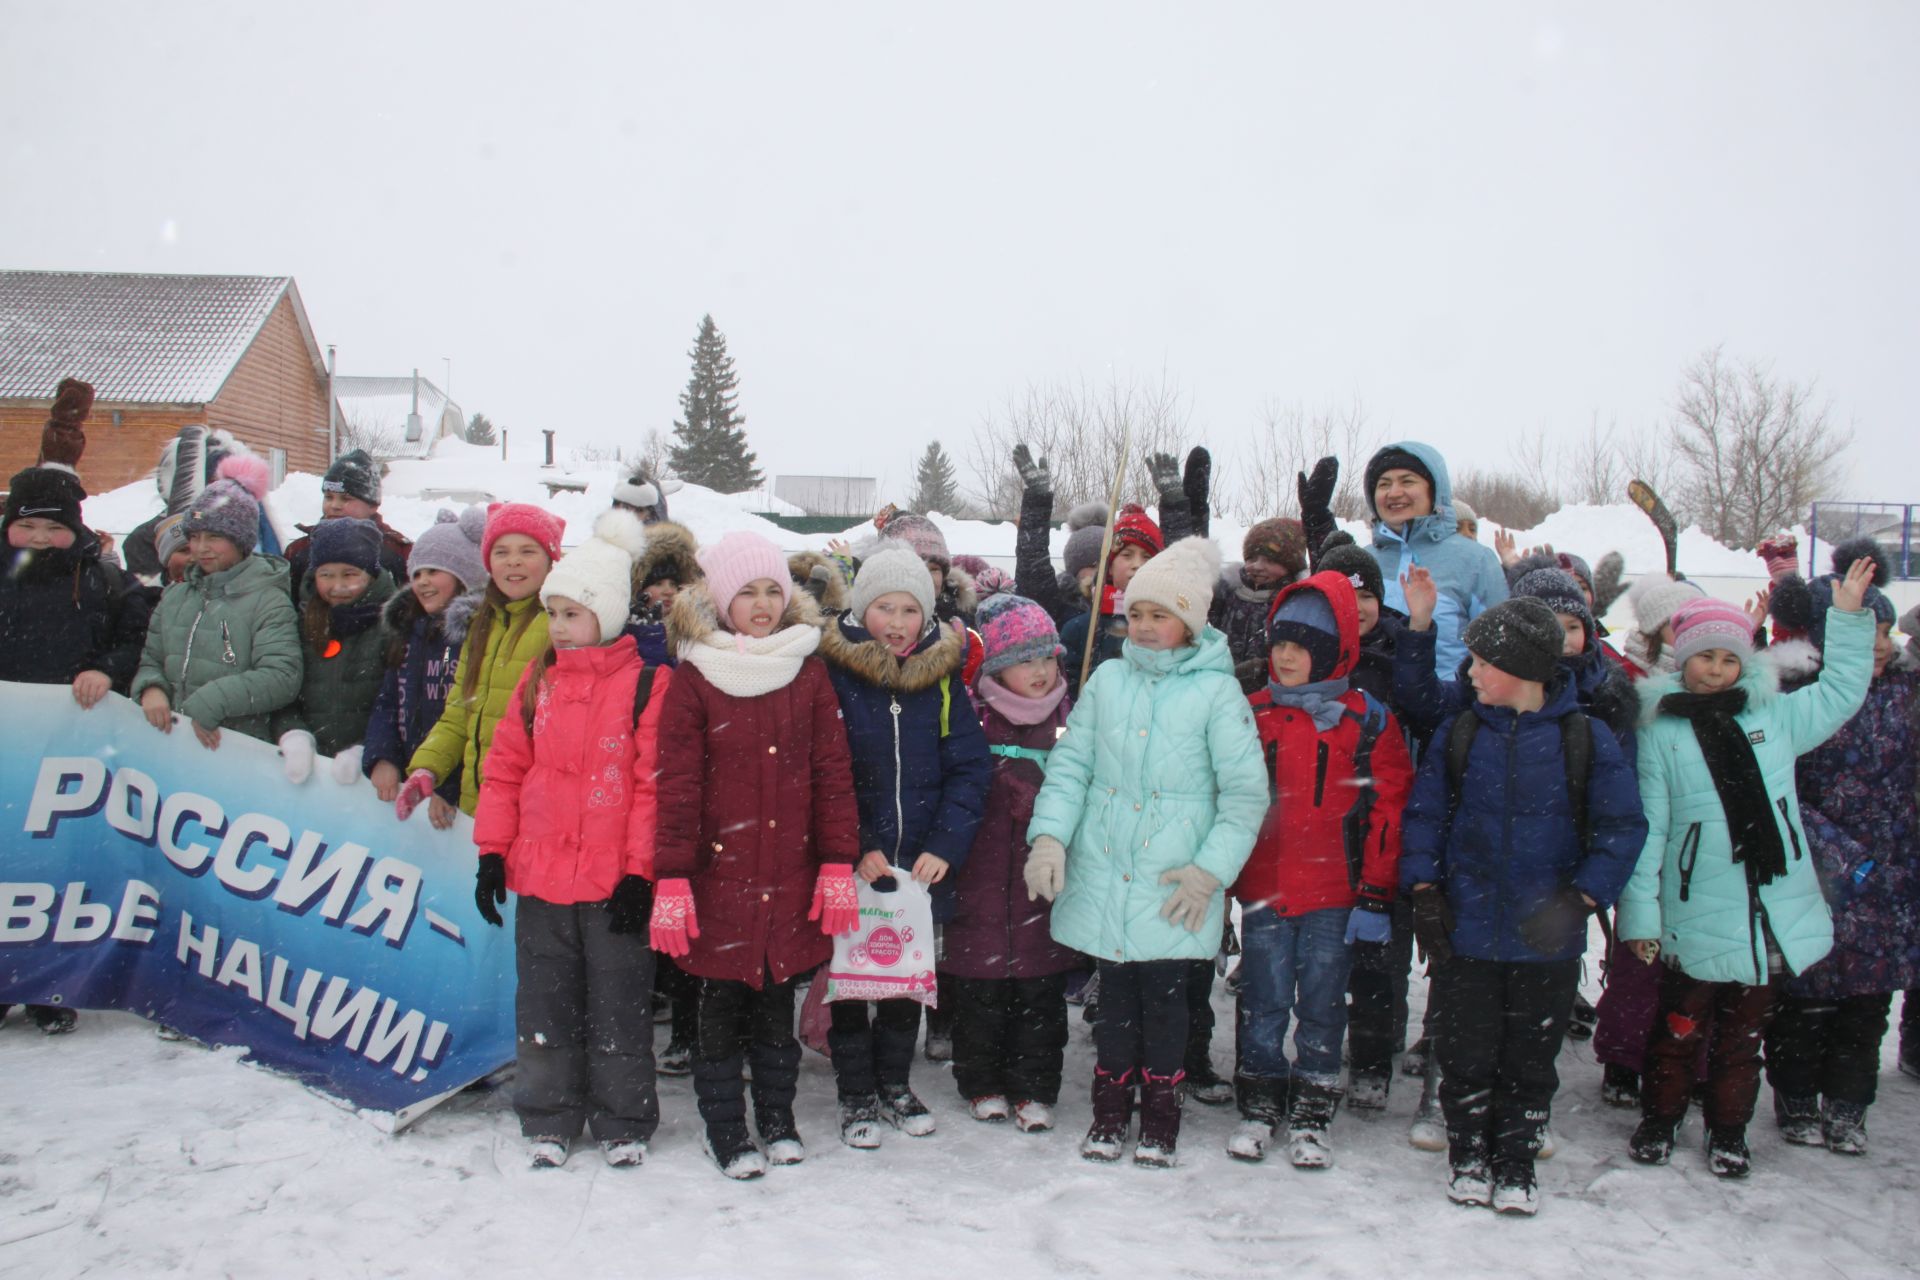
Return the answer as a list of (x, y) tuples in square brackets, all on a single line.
[(1046, 869), (297, 755), (346, 766)]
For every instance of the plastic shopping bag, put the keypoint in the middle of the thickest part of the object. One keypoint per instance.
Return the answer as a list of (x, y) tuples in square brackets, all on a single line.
[(891, 954)]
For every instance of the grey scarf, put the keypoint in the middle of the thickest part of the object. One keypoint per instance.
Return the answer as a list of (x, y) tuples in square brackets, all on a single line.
[(1319, 699)]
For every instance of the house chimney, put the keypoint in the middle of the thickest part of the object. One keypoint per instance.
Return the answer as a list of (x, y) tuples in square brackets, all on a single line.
[(333, 410), (548, 433)]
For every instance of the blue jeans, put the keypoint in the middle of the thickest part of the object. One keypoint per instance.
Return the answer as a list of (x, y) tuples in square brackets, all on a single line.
[(1294, 966)]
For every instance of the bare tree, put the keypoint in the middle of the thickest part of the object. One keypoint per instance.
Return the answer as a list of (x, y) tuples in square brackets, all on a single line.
[(586, 455), (1752, 451), (1078, 429), (358, 431), (1260, 479)]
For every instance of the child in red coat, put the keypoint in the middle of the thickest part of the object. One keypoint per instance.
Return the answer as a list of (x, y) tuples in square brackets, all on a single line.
[(757, 836), (566, 821), (1323, 870)]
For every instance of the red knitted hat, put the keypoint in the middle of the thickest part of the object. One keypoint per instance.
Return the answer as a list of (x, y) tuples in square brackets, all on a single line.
[(1133, 525), (503, 518)]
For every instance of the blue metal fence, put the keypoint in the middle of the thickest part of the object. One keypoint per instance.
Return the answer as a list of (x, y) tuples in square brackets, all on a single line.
[(1891, 524)]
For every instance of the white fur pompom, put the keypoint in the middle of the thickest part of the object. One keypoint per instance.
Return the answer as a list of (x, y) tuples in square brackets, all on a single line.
[(623, 529)]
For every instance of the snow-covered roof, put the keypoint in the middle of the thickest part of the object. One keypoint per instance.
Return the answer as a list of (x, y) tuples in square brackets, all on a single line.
[(139, 339), (382, 405)]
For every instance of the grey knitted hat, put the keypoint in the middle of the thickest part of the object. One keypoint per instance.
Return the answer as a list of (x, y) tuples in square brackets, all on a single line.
[(225, 508), (892, 568), (452, 543)]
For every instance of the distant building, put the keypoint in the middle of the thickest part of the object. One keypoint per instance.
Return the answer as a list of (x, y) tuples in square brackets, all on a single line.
[(162, 352), (378, 414), (828, 495)]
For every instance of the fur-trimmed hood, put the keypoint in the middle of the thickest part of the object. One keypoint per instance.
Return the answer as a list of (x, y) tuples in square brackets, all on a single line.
[(670, 546), (961, 591), (460, 613), (694, 616), (396, 616), (808, 567), (846, 645)]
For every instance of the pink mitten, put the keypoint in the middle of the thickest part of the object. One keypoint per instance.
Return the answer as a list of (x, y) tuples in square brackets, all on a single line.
[(836, 902), (673, 920), (420, 785), (1781, 555)]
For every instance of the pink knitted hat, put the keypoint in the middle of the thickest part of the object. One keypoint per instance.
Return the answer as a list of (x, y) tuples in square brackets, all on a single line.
[(741, 558), (1013, 630), (504, 518), (1700, 625)]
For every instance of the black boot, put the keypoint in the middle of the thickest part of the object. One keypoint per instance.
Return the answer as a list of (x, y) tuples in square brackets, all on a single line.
[(776, 1076), (1470, 1179), (1112, 1115), (1263, 1105), (1727, 1154), (1307, 1123), (1620, 1086), (1652, 1140), (1159, 1120), (1799, 1119)]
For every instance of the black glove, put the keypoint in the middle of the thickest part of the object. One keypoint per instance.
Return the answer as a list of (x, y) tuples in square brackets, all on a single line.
[(1432, 925), (490, 886), (1316, 490), (1199, 487), (1560, 922), (631, 905), (1033, 471), (1164, 470)]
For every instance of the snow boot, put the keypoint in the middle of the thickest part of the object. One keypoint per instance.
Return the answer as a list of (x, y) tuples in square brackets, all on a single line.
[(902, 1108), (992, 1108), (624, 1153), (1845, 1126), (733, 1151), (1652, 1140), (1799, 1119), (779, 1135), (52, 1019), (1203, 1083), (1585, 1018), (860, 1122), (547, 1153), (1159, 1120), (1032, 1116), (1428, 1132), (1909, 1059), (1112, 1116), (1307, 1123), (1620, 1087), (1263, 1105), (1367, 1094), (677, 1058), (1727, 1154), (1469, 1181), (1414, 1061), (1516, 1190)]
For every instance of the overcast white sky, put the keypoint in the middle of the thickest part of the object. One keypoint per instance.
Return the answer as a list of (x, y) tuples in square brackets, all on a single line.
[(1482, 219)]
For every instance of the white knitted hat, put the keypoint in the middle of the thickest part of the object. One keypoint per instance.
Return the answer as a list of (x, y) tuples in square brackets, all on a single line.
[(599, 572), (1180, 580), (895, 567)]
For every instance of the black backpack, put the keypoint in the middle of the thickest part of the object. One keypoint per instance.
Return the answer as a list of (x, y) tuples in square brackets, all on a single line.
[(1576, 754)]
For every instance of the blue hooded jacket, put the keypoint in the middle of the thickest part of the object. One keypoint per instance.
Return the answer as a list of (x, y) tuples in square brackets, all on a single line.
[(1468, 575)]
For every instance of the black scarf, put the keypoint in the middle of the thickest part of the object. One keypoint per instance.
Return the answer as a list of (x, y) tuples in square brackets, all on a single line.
[(1736, 778)]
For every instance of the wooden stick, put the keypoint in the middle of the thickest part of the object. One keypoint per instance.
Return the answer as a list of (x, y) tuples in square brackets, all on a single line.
[(1094, 623)]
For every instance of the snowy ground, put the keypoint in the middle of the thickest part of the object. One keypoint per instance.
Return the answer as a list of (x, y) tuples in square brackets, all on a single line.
[(127, 1156)]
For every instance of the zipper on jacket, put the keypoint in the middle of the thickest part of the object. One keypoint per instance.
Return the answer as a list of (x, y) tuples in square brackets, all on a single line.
[(186, 657), (1689, 854), (1320, 774), (1792, 831), (899, 813)]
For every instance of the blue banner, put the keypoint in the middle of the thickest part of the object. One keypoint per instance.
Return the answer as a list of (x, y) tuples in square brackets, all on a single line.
[(142, 871)]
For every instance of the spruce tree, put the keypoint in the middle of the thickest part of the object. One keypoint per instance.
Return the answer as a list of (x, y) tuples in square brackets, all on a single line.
[(710, 438), (936, 484), (480, 430)]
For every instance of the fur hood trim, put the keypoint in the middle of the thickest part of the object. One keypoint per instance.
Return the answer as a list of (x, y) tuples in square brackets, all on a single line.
[(869, 660), (693, 616), (801, 566), (459, 615), (1760, 677), (960, 587), (669, 544)]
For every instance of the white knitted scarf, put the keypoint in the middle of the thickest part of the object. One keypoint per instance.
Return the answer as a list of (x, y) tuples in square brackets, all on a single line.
[(743, 667)]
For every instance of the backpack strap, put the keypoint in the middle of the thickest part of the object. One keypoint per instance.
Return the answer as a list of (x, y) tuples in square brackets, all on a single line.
[(1576, 753), (1460, 738), (1354, 826), (1012, 752), (642, 691)]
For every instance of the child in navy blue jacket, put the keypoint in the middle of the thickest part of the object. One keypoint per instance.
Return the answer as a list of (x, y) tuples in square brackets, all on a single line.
[(920, 774), (1504, 862)]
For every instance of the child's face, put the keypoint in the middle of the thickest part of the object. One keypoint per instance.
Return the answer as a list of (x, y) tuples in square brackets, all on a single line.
[(1498, 688), (570, 624), (1033, 678), (336, 506), (434, 589), (1469, 529), (1369, 607), (1125, 563), (1261, 572), (177, 566), (756, 609), (1884, 647), (518, 566), (1400, 495), (1292, 664), (896, 621), (661, 593), (213, 552), (341, 583), (1152, 627), (1085, 578), (37, 533), (938, 574), (1576, 641), (1711, 671)]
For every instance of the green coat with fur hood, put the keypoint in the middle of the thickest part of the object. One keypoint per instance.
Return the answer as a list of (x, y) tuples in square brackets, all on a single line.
[(1686, 889), (337, 692), (517, 636), (225, 647), (1160, 767)]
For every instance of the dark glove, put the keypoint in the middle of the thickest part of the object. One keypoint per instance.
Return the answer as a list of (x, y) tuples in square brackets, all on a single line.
[(1199, 486), (490, 886), (1033, 471), (1432, 925), (1316, 490), (1559, 924), (631, 906), (1164, 470)]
